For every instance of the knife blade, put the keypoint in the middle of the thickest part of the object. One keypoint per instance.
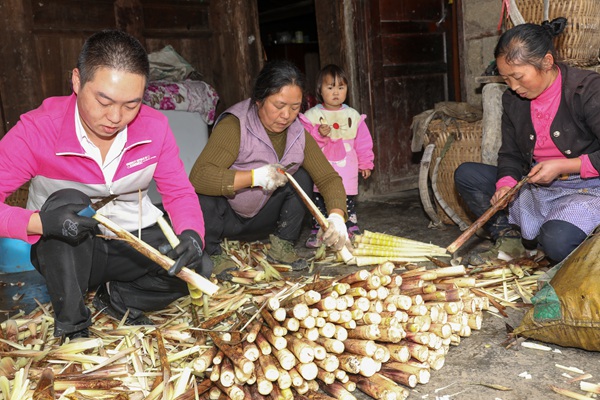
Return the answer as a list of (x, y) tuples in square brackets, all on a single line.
[(90, 210), (286, 168)]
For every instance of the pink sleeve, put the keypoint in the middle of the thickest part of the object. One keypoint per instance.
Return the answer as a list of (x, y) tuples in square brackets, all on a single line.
[(17, 163), (506, 181), (587, 170), (363, 144)]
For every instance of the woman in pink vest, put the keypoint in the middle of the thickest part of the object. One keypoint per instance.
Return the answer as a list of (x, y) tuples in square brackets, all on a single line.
[(242, 193)]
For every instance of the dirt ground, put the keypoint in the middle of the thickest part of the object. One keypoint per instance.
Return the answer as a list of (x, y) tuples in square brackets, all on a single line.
[(479, 361)]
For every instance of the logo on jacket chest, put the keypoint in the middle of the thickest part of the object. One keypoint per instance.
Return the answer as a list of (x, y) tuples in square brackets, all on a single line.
[(139, 161)]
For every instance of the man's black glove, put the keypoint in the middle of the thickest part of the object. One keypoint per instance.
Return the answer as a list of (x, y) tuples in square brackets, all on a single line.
[(64, 223), (188, 253)]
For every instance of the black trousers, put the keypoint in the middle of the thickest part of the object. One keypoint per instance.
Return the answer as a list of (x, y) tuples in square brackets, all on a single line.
[(282, 215), (136, 282)]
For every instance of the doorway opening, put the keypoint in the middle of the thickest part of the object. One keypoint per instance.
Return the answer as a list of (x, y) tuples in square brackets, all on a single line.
[(288, 30)]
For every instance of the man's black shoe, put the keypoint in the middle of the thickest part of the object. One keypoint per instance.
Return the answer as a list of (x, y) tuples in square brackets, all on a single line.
[(101, 302), (84, 333)]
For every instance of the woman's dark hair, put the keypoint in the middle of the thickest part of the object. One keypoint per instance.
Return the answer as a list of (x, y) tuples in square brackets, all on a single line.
[(115, 50), (337, 73), (529, 43), (274, 76)]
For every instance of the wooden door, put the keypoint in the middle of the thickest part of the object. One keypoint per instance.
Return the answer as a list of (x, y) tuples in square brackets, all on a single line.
[(404, 62)]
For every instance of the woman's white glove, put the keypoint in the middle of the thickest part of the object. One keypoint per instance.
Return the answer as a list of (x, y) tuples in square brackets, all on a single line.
[(269, 177), (336, 234)]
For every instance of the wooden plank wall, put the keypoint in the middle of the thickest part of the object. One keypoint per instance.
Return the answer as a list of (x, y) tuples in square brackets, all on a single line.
[(41, 42)]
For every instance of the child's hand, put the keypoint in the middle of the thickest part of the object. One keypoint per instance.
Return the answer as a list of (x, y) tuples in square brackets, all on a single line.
[(324, 130), (366, 173)]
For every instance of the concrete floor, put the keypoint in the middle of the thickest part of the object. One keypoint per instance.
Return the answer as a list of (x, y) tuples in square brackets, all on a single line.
[(478, 361)]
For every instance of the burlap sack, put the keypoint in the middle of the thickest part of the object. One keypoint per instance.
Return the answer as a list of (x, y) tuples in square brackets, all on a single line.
[(567, 310)]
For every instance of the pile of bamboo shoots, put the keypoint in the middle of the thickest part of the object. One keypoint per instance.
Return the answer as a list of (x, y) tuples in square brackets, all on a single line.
[(374, 330)]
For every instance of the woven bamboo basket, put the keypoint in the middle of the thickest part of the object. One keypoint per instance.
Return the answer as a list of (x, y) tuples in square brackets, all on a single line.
[(579, 44), (465, 145), (19, 198)]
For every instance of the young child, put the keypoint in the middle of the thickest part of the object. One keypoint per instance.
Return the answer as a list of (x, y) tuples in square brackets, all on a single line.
[(343, 136)]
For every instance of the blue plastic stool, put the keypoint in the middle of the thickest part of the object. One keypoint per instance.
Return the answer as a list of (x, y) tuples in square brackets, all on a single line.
[(14, 256)]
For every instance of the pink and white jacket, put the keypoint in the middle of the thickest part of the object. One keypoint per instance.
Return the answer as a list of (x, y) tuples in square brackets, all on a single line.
[(349, 146), (44, 147)]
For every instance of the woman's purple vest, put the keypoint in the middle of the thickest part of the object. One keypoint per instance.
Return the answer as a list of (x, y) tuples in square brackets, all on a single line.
[(257, 150)]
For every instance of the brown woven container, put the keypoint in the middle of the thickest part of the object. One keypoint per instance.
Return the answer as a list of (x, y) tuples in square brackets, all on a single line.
[(465, 146), (579, 44), (19, 198)]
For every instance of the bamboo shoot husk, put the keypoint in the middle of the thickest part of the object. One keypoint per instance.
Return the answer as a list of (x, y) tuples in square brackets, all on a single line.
[(331, 345), (215, 374), (330, 363), (386, 382), (371, 389), (186, 274), (303, 351), (292, 324), (297, 379), (391, 334), (338, 391), (263, 345), (251, 351), (383, 269), (358, 276), (277, 342), (234, 392), (204, 360), (277, 329), (299, 311), (399, 352), (234, 353), (269, 367), (369, 332), (285, 357), (227, 376), (264, 385), (308, 323), (253, 331), (361, 347), (308, 371), (421, 372), (442, 330), (349, 363), (285, 380), (400, 377), (368, 366), (309, 298), (325, 376)]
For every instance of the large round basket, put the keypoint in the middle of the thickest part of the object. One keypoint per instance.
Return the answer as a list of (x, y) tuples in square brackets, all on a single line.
[(579, 44), (456, 142)]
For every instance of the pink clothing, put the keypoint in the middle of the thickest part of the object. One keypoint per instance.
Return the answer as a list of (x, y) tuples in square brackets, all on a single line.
[(256, 150), (543, 111), (43, 146), (349, 147)]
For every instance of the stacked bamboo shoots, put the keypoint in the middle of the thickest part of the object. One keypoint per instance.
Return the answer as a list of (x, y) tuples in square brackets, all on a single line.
[(373, 248), (374, 330)]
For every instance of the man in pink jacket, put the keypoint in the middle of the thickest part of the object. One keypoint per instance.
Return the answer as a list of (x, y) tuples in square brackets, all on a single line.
[(77, 149)]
